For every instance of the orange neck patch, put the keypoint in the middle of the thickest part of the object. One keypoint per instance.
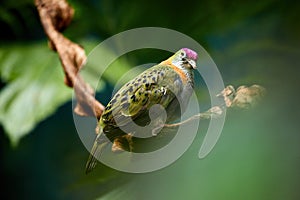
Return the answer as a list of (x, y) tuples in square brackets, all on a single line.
[(176, 69)]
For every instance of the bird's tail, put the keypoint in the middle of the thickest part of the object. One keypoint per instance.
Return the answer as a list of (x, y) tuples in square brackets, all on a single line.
[(95, 154)]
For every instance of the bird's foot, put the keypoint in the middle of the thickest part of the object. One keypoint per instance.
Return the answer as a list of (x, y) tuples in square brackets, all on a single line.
[(123, 143)]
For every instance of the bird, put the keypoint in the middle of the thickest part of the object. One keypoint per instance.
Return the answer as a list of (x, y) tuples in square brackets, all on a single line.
[(168, 84)]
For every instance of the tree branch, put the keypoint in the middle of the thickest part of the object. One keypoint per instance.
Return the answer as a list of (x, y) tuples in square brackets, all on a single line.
[(241, 98), (56, 15)]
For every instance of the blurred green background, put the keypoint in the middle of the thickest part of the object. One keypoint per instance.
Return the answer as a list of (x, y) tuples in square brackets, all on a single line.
[(258, 154)]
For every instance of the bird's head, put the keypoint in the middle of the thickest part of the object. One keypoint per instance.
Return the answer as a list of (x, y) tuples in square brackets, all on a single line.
[(185, 58)]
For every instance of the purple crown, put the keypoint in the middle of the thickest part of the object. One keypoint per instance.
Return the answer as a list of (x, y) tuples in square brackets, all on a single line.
[(190, 53)]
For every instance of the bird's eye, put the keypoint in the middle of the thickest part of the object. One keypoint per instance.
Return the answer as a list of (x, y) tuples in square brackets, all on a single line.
[(182, 54)]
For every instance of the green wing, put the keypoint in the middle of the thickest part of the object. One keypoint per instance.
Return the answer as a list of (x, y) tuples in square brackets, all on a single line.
[(133, 100)]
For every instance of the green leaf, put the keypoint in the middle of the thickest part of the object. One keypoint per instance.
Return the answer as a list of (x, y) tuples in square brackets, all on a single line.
[(34, 87)]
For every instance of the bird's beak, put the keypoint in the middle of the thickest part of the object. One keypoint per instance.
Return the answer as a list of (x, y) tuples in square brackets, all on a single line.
[(192, 63)]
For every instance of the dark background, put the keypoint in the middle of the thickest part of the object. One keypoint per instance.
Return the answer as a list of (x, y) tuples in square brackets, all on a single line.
[(258, 154)]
